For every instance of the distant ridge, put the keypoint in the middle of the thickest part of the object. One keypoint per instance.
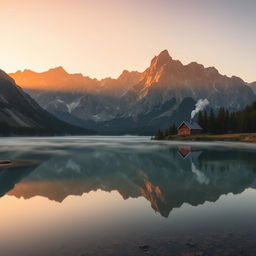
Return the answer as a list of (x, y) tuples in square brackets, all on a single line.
[(57, 79), (21, 115)]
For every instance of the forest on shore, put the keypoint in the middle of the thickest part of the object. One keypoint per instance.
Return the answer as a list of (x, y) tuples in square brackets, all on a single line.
[(220, 121)]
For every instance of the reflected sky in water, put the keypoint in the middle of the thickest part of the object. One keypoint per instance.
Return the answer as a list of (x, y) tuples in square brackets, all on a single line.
[(110, 195)]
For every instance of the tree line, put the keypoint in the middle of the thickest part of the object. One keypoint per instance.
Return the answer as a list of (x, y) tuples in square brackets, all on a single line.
[(8, 130), (220, 121), (223, 121), (161, 134)]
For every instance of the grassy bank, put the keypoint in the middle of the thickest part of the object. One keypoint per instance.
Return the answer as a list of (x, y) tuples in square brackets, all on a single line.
[(241, 137)]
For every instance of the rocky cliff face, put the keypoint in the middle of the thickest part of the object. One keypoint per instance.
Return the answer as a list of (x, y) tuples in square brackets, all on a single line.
[(166, 77)]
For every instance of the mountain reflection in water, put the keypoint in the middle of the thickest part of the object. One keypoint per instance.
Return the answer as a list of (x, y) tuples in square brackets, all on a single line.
[(167, 175)]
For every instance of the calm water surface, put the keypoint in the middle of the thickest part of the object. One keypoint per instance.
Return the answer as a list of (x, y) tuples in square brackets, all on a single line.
[(126, 196)]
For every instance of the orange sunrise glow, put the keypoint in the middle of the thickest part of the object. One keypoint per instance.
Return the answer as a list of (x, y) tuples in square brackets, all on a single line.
[(102, 38)]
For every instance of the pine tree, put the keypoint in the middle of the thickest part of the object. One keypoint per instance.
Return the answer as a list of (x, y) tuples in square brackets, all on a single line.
[(173, 130), (205, 121), (220, 121), (227, 122), (211, 122), (159, 135), (200, 120)]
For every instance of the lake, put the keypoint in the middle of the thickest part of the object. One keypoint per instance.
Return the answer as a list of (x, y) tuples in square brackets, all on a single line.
[(126, 195)]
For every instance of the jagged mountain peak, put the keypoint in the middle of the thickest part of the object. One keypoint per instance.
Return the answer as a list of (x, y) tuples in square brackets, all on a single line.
[(129, 75), (195, 65), (161, 59), (164, 55), (125, 72), (59, 70), (166, 78)]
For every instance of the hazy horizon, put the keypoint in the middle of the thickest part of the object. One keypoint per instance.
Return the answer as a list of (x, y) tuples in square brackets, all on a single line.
[(102, 38)]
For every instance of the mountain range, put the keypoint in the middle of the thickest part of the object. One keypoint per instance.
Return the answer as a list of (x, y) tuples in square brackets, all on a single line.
[(21, 115), (135, 103), (58, 80)]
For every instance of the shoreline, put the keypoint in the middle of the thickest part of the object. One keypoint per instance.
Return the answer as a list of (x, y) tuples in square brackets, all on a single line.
[(238, 137)]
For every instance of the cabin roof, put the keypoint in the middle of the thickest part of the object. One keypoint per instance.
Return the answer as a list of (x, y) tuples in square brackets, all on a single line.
[(191, 125), (192, 154)]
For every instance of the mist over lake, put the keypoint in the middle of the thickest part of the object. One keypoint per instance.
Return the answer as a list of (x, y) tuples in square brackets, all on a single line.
[(127, 195)]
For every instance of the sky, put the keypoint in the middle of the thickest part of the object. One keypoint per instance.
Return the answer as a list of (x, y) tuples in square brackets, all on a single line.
[(101, 38)]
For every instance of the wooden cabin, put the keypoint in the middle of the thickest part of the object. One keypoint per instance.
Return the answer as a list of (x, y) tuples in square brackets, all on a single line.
[(188, 128)]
